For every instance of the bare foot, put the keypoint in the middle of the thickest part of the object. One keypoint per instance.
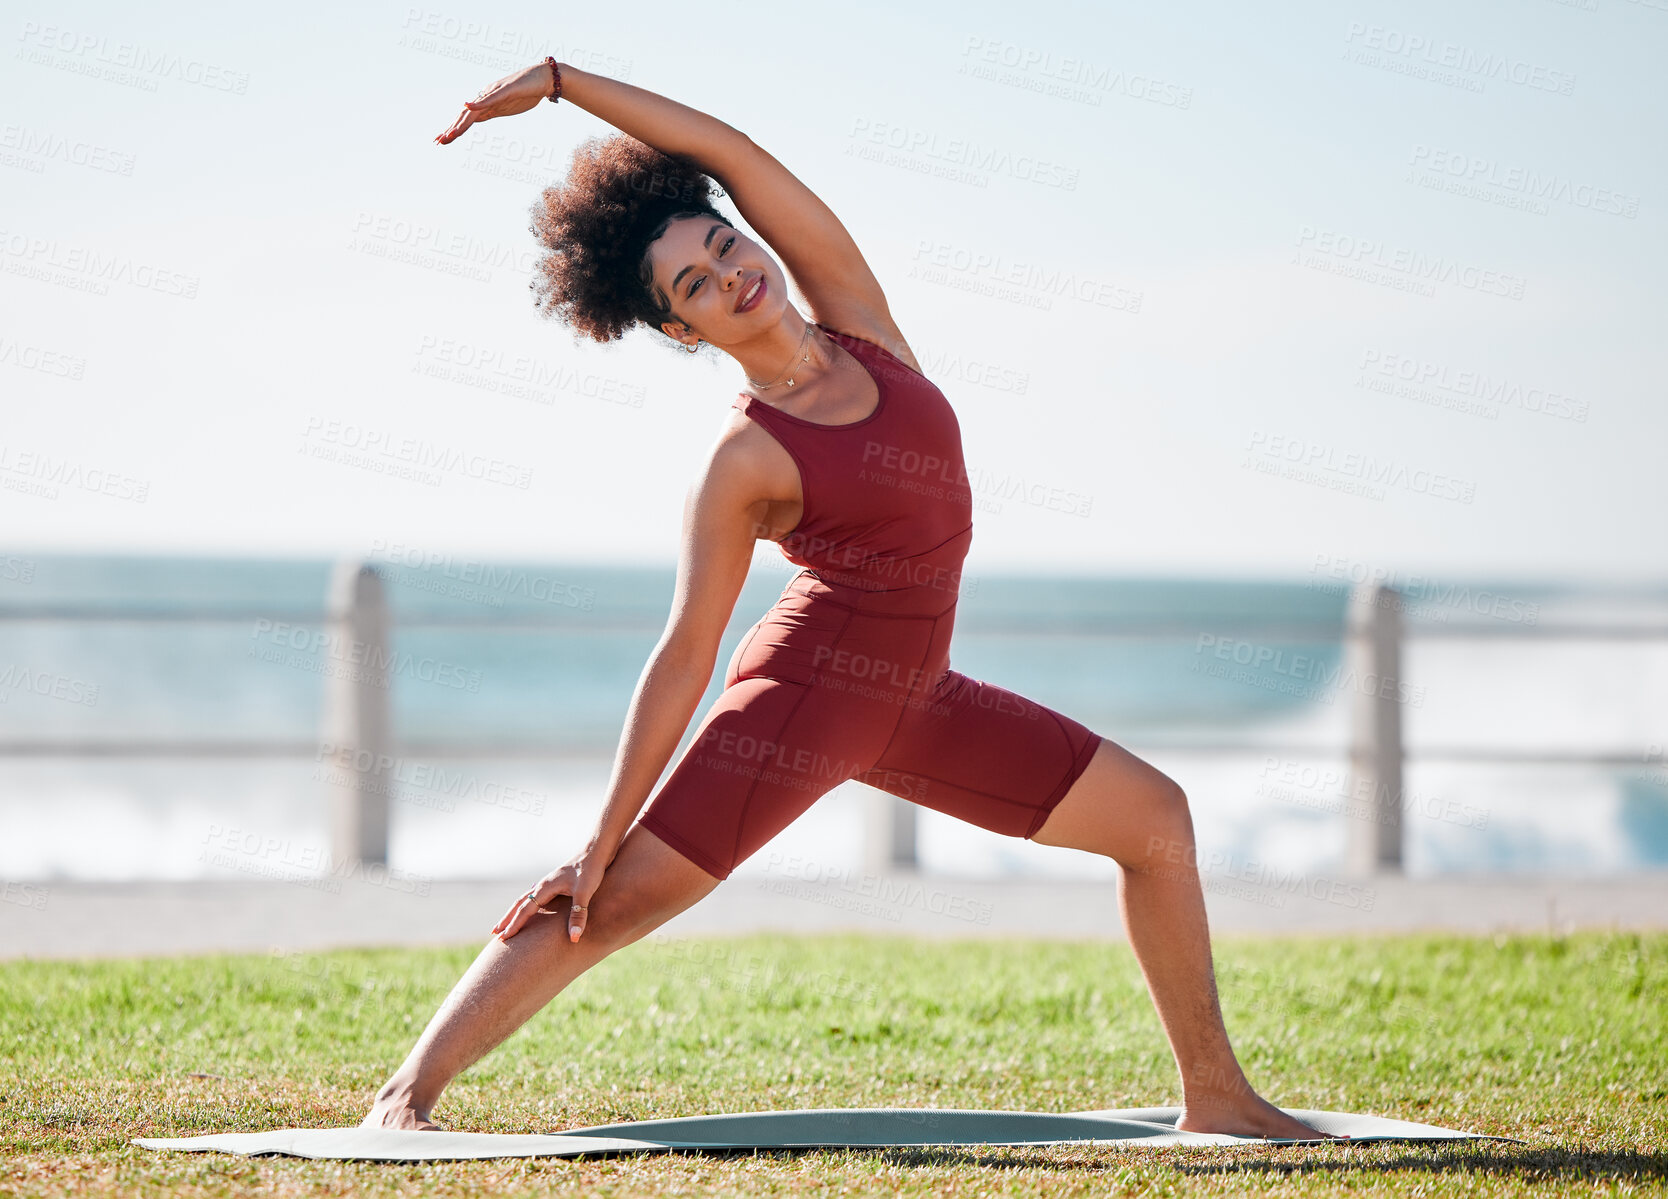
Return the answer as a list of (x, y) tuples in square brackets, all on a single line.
[(394, 1109), (1248, 1116), (398, 1116)]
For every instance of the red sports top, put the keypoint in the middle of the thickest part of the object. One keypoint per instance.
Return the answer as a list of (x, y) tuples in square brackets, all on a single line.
[(888, 513)]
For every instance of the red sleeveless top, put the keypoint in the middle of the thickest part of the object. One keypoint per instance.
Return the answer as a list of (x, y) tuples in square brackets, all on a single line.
[(888, 506)]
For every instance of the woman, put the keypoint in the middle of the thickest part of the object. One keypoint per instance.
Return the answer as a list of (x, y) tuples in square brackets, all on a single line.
[(850, 459)]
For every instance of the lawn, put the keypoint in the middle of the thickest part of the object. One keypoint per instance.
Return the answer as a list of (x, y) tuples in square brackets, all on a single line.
[(1559, 1041)]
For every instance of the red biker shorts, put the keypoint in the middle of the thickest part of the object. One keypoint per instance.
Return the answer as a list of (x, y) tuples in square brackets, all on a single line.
[(820, 691)]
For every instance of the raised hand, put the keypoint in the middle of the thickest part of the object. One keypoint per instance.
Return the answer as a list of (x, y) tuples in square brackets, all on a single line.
[(510, 95)]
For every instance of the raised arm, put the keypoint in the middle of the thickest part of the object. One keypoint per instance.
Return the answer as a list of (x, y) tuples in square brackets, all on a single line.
[(815, 248)]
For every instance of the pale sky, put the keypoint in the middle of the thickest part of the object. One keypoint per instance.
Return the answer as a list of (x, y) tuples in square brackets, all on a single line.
[(1254, 285)]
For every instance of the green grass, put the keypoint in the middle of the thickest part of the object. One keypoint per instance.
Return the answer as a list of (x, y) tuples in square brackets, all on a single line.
[(1562, 1042)]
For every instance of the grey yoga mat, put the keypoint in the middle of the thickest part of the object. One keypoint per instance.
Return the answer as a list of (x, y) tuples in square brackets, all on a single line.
[(812, 1128)]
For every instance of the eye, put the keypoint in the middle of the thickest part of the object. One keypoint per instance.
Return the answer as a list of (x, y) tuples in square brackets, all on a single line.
[(722, 250)]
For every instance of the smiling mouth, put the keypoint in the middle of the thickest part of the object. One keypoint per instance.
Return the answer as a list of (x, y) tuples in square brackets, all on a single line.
[(754, 290)]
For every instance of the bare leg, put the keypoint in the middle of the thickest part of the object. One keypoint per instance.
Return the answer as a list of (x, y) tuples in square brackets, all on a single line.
[(1129, 811), (646, 885)]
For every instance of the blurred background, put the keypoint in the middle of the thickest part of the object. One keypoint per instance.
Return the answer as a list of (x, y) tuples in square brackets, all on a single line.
[(1294, 350)]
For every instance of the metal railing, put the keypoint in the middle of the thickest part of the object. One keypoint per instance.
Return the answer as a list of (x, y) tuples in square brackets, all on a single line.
[(358, 727)]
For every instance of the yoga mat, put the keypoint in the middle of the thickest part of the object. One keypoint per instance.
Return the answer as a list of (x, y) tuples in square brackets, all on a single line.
[(811, 1128)]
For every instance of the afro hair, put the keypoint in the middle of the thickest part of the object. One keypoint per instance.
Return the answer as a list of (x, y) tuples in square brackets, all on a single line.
[(619, 195)]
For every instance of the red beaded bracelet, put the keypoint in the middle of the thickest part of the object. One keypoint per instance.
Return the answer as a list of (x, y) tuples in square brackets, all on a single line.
[(557, 74)]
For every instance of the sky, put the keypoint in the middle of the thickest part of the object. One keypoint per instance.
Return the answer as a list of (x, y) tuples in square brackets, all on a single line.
[(1216, 290)]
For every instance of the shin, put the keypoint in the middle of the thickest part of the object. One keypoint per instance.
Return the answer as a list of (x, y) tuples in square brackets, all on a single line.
[(647, 884)]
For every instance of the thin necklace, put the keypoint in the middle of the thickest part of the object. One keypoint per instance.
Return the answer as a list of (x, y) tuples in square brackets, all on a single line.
[(804, 356)]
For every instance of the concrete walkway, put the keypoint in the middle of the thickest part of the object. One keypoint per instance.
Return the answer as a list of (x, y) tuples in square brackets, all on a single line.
[(74, 920)]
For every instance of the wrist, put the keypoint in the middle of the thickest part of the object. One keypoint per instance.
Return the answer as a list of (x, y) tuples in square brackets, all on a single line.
[(601, 843)]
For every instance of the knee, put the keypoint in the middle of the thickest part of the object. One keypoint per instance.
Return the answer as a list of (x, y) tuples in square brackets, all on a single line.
[(1167, 840)]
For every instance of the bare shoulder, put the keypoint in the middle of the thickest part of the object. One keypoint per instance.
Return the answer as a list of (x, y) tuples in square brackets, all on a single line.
[(871, 325), (750, 468), (742, 455)]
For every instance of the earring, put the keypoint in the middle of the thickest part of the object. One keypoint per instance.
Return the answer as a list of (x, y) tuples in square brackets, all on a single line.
[(694, 348)]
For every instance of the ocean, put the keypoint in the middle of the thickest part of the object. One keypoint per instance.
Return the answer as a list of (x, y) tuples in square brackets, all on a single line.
[(512, 655)]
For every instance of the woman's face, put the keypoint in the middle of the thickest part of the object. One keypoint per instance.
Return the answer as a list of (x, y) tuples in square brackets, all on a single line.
[(704, 267)]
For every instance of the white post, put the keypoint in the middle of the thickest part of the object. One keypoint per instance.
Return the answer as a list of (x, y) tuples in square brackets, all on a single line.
[(889, 843), (357, 727), (1374, 670)]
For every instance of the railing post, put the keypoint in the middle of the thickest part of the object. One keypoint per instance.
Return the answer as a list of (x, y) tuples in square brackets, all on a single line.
[(1373, 668), (889, 843), (357, 723)]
